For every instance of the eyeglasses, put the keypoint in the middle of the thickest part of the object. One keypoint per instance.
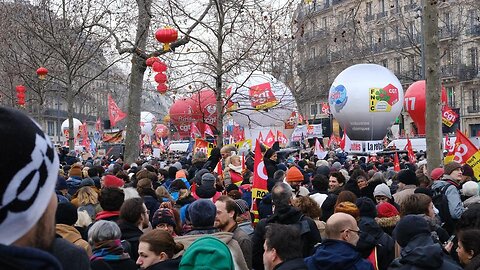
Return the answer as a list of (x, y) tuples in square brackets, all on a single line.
[(357, 232)]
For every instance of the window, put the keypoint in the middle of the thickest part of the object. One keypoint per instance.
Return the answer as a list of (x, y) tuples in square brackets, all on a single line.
[(381, 3), (450, 96), (473, 54), (339, 18), (383, 36), (475, 130), (313, 109), (50, 128), (369, 8), (397, 32), (370, 39), (398, 65), (325, 23), (411, 28), (385, 63), (447, 20), (472, 18)]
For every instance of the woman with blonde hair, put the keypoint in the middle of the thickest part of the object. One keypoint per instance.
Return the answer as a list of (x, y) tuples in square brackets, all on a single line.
[(233, 171), (87, 199)]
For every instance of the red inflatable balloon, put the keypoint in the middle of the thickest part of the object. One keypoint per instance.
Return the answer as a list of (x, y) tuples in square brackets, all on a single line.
[(182, 114), (205, 106), (415, 104)]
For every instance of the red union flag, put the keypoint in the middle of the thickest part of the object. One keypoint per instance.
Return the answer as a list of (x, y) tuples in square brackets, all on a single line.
[(262, 97), (411, 155), (270, 139), (396, 163), (114, 112), (259, 186), (448, 116), (282, 139), (325, 108)]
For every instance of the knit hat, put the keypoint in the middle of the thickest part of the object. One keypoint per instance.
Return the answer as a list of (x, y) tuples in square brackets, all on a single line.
[(321, 162), (198, 176), (207, 253), (348, 208), (75, 170), (367, 207), (177, 165), (386, 210), (112, 181), (202, 213), (408, 177), (436, 173), (61, 183), (242, 206), (87, 182), (294, 175), (180, 174), (163, 216), (336, 165), (382, 190), (451, 166), (408, 227), (66, 214), (28, 181), (208, 179), (470, 188)]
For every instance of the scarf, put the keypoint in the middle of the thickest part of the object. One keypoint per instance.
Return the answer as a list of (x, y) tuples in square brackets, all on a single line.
[(237, 169), (109, 250)]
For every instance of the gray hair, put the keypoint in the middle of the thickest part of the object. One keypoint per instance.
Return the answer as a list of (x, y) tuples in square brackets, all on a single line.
[(103, 230), (281, 194)]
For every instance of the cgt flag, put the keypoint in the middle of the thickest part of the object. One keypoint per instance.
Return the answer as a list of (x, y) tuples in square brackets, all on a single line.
[(463, 152), (270, 139), (411, 156), (259, 186), (114, 112)]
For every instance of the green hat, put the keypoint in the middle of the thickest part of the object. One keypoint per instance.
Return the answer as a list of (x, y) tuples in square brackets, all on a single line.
[(207, 253)]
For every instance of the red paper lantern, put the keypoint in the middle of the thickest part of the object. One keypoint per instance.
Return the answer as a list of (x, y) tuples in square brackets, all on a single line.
[(150, 61), (415, 104), (20, 95), (42, 73), (159, 66), (161, 78), (162, 88), (166, 36)]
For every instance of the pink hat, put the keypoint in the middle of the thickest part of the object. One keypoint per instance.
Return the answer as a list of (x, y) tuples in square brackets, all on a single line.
[(436, 173), (112, 181)]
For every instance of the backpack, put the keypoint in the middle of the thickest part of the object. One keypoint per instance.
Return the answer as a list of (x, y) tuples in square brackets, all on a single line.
[(440, 201)]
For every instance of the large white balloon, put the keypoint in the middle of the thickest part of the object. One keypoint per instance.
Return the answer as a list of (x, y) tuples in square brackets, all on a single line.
[(259, 100), (76, 125), (147, 121), (365, 99)]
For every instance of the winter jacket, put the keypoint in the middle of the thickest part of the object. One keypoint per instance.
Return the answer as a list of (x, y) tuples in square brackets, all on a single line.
[(70, 256), (310, 235), (131, 234), (295, 264), (126, 264), (455, 205), (225, 237), (400, 196), (336, 255), (245, 243), (197, 166), (271, 167), (373, 236), (474, 264), (472, 200), (247, 228), (151, 203), (422, 253), (73, 184), (171, 264), (20, 258), (73, 236)]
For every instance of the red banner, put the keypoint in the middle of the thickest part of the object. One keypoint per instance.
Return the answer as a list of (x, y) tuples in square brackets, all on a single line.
[(113, 137), (396, 163), (448, 116), (262, 97), (259, 187), (114, 112)]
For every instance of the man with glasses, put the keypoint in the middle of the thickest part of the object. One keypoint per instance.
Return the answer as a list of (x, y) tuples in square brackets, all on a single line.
[(338, 250)]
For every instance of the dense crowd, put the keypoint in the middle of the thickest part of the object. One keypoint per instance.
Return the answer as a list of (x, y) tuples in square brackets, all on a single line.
[(190, 211)]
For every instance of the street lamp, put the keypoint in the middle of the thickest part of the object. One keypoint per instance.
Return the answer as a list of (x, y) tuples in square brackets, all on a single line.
[(422, 40)]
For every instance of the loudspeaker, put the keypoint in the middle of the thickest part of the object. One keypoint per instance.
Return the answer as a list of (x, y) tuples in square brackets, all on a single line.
[(106, 124)]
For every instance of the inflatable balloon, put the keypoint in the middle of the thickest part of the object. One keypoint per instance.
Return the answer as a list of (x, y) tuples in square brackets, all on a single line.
[(76, 126), (147, 120), (205, 108), (365, 99), (415, 104), (182, 115), (259, 100)]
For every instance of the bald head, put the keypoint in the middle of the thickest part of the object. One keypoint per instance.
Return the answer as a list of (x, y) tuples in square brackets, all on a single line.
[(337, 223)]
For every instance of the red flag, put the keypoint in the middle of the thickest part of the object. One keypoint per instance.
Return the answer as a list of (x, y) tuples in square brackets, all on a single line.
[(260, 137), (85, 140), (98, 125), (343, 140), (396, 163), (300, 118), (409, 148), (448, 145), (259, 186), (219, 168), (281, 138), (194, 131), (325, 108), (114, 112), (270, 139), (208, 131)]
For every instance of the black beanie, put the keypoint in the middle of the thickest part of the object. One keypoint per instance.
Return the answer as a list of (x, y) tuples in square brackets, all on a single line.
[(408, 227), (66, 214), (367, 207), (408, 177)]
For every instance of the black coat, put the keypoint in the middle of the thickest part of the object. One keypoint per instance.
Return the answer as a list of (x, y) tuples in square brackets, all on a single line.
[(295, 264), (131, 234), (288, 216), (172, 264), (126, 264), (373, 236)]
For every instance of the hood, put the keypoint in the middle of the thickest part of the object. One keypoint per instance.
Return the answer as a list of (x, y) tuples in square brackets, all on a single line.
[(68, 233), (205, 191), (287, 215), (422, 252), (368, 225), (130, 232), (187, 240), (333, 254)]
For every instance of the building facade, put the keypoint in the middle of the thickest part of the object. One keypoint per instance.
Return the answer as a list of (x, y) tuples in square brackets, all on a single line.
[(332, 35)]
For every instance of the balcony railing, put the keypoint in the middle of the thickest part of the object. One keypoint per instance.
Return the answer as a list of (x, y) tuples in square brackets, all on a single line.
[(449, 70), (447, 32), (474, 30), (473, 109), (468, 72)]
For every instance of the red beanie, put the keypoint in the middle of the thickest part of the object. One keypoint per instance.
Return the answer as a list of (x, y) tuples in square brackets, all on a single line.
[(294, 175), (385, 210), (112, 181)]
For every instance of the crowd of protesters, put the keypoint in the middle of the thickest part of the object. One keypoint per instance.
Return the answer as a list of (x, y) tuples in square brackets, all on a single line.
[(195, 212)]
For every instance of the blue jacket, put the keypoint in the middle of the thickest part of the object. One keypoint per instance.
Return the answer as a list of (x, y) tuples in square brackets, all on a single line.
[(73, 184), (13, 257), (336, 255), (422, 253), (455, 205)]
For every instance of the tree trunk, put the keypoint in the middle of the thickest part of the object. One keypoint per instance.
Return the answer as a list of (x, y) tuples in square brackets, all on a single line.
[(433, 86), (136, 83), (71, 135), (219, 73)]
